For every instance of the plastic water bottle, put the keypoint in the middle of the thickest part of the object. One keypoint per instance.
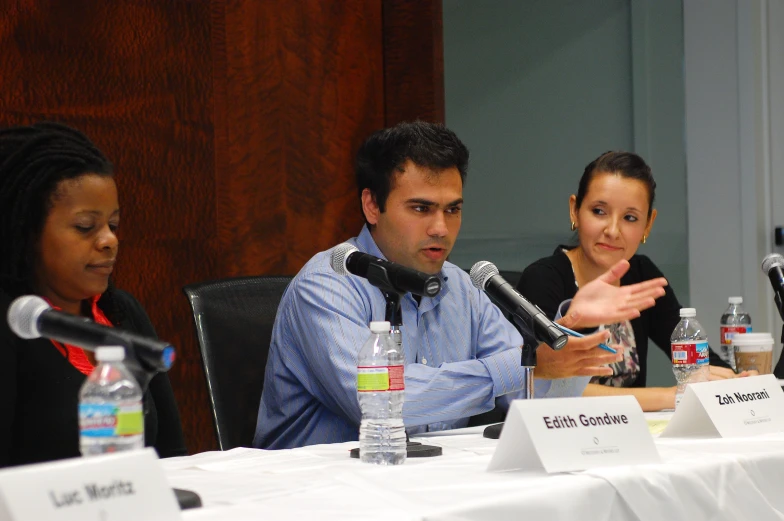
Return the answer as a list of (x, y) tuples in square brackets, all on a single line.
[(380, 390), (110, 407), (734, 320), (690, 357)]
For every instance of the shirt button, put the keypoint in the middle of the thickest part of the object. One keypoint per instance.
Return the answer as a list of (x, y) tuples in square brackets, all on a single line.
[(424, 361)]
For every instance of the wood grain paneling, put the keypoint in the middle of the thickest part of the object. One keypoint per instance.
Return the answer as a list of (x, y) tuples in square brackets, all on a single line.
[(135, 76), (303, 86), (413, 61), (232, 126)]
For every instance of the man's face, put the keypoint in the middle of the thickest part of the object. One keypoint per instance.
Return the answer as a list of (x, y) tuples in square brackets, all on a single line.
[(422, 218)]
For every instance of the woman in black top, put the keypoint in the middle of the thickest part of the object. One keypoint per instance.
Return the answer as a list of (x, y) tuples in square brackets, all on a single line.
[(613, 214), (58, 221)]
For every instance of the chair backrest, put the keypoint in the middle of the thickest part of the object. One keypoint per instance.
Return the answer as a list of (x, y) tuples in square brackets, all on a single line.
[(234, 319), (512, 277)]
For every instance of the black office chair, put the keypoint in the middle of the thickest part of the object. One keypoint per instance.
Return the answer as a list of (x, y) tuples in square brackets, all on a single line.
[(233, 319), (512, 277)]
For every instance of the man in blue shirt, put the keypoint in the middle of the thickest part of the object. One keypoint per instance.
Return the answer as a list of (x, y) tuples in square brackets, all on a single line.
[(461, 353)]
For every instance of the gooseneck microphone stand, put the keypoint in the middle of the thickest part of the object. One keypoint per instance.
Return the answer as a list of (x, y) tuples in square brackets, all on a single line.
[(393, 315), (528, 355), (528, 364)]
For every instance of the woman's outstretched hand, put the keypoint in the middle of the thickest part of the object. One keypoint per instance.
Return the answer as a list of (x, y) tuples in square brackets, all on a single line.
[(602, 301)]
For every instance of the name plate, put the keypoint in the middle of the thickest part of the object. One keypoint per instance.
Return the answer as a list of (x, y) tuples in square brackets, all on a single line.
[(568, 434), (117, 487), (729, 408)]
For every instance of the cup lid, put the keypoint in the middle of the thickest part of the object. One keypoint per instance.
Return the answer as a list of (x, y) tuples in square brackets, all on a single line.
[(752, 339)]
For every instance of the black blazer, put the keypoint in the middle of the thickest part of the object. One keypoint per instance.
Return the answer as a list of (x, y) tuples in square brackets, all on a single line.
[(39, 396), (549, 281)]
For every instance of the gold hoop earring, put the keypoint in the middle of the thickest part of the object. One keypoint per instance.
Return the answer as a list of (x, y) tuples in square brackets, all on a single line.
[(574, 226), (644, 238)]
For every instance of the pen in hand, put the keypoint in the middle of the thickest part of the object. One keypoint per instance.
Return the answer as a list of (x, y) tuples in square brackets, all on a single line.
[(580, 335)]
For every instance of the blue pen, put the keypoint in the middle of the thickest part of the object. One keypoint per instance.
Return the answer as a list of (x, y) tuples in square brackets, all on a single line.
[(580, 335)]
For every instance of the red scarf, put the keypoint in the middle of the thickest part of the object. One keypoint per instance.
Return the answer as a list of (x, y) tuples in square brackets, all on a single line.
[(76, 355)]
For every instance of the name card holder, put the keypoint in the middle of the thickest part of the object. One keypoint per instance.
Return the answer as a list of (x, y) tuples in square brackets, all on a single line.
[(570, 434), (122, 486), (729, 408)]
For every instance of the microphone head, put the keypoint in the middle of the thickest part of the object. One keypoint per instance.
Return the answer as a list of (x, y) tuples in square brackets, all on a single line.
[(339, 257), (481, 272), (771, 260), (23, 314)]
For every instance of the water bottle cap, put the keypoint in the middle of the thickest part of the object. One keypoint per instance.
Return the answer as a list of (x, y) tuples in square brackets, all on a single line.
[(735, 300), (110, 354), (380, 327), (688, 312)]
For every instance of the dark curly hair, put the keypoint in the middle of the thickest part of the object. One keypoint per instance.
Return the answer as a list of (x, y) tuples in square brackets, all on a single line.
[(33, 161), (386, 151)]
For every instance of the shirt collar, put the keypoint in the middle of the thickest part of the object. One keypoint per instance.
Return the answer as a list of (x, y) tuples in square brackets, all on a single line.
[(93, 303), (367, 244), (98, 315)]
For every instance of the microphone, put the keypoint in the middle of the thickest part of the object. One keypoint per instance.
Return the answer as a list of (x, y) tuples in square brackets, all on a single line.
[(385, 275), (30, 316), (485, 276), (772, 266)]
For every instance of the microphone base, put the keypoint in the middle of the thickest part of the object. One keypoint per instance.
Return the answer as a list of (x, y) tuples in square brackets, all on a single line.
[(493, 431), (414, 449), (187, 498)]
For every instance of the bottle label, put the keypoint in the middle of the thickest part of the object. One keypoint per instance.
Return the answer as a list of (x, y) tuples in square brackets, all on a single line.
[(690, 353), (728, 332), (380, 378), (100, 420)]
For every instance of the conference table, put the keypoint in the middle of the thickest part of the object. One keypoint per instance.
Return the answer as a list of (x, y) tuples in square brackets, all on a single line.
[(739, 478)]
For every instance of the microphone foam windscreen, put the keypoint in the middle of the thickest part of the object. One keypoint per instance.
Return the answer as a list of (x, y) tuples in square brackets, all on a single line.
[(339, 255), (481, 272), (773, 259), (23, 315)]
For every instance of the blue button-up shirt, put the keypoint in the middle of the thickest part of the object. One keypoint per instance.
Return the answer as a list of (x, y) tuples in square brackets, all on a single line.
[(461, 354)]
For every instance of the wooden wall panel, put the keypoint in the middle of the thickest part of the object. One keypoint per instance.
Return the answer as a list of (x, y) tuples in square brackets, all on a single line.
[(232, 125), (135, 76), (304, 85), (413, 61)]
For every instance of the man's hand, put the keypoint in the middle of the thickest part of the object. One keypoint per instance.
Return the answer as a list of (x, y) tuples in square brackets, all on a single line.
[(601, 301), (580, 357)]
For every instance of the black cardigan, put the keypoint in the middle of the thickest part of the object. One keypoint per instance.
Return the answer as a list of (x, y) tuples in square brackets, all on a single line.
[(549, 281), (39, 396)]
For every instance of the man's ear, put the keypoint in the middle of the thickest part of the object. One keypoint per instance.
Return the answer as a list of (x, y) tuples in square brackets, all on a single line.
[(369, 207)]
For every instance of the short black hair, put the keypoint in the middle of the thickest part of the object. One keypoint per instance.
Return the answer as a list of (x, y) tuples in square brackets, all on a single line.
[(625, 164), (385, 153), (33, 161)]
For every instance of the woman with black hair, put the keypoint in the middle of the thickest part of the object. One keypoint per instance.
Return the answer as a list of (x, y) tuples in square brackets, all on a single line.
[(59, 214), (613, 214)]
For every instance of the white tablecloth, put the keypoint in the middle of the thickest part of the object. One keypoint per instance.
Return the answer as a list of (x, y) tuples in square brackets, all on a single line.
[(698, 479)]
